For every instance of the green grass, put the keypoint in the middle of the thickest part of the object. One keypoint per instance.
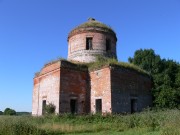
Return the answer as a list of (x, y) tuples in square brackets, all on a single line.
[(145, 123)]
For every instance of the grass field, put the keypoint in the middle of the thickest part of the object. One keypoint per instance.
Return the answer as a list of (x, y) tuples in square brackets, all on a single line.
[(146, 123)]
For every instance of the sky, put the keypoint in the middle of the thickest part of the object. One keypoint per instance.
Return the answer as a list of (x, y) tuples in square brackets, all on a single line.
[(33, 32)]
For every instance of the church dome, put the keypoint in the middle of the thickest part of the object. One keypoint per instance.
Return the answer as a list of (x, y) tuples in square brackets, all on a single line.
[(91, 39), (92, 25)]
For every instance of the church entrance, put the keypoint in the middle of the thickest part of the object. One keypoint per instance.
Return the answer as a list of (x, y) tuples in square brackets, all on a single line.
[(73, 106), (98, 105), (134, 106)]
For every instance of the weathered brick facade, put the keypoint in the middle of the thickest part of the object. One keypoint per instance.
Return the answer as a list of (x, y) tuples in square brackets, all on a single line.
[(74, 88), (128, 85), (46, 87), (101, 89), (77, 47)]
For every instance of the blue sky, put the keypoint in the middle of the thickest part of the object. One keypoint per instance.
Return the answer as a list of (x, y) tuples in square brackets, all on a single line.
[(33, 32)]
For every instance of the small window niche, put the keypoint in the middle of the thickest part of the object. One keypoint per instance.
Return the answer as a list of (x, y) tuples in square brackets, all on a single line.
[(43, 107), (89, 43), (134, 105), (108, 44), (98, 105), (73, 106)]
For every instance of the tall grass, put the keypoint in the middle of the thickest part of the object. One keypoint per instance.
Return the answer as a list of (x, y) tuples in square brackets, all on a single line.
[(161, 122)]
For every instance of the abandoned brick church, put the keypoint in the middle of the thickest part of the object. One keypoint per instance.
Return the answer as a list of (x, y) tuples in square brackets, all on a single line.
[(75, 86)]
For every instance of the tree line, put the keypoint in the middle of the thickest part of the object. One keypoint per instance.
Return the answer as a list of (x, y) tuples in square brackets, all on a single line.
[(48, 110), (165, 74), (8, 111)]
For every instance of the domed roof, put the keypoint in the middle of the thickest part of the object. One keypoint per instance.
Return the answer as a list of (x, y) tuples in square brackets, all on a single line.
[(92, 25)]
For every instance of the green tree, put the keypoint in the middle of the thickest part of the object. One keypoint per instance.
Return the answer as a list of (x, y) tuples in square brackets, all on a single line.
[(165, 97), (165, 76), (147, 60), (177, 85), (9, 111)]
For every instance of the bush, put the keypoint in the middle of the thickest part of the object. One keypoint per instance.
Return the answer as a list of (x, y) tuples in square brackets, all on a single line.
[(50, 108), (9, 111)]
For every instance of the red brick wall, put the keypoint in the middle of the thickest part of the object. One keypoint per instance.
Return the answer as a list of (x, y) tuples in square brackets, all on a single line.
[(77, 46), (101, 89), (74, 85), (35, 101), (126, 85), (78, 42), (50, 67), (58, 83), (46, 87), (61, 81)]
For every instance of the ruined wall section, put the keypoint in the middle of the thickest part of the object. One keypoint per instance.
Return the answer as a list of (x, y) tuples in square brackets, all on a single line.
[(101, 89), (74, 85), (46, 87), (127, 85), (35, 101), (77, 46)]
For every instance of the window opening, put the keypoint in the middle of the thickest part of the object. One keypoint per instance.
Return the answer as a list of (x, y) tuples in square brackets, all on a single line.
[(43, 107), (98, 105), (73, 106), (89, 44), (108, 45), (134, 107)]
